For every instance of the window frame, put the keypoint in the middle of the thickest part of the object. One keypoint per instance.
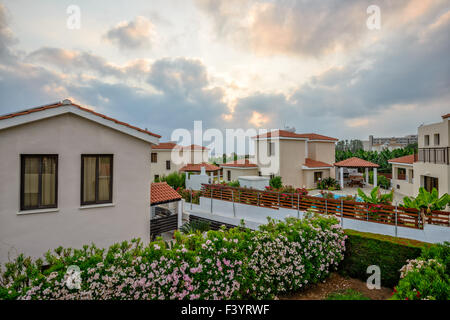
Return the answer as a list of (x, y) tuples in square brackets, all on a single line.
[(319, 178), (22, 181), (426, 139), (167, 164), (437, 139), (229, 175), (156, 157), (97, 164)]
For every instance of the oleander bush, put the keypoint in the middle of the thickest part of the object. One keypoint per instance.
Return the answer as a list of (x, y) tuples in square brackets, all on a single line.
[(427, 277), (226, 264)]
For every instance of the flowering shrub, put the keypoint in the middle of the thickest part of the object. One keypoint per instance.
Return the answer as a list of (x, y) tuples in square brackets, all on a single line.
[(289, 255), (225, 264), (187, 195), (425, 278)]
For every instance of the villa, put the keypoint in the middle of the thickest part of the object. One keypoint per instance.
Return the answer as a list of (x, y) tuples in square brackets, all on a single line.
[(431, 167), (301, 160), (168, 157), (71, 176)]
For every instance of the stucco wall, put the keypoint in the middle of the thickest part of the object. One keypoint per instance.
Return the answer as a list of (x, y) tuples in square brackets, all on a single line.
[(159, 167), (322, 151), (443, 128), (235, 173), (69, 136), (309, 177), (292, 158), (440, 171)]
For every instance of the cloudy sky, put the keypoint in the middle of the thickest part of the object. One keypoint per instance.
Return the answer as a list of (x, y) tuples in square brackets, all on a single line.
[(309, 64)]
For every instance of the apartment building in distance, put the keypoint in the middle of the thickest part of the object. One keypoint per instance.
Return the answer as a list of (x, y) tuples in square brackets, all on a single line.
[(168, 157), (430, 168), (301, 160), (390, 143)]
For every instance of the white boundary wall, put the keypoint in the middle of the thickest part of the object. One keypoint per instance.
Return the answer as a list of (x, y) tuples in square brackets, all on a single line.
[(255, 216)]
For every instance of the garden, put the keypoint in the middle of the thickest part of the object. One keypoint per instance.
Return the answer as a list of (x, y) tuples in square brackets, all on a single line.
[(281, 260)]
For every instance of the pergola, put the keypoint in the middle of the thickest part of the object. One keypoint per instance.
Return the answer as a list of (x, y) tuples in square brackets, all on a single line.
[(355, 162)]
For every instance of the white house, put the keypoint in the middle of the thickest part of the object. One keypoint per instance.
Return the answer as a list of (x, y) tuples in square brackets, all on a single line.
[(70, 176)]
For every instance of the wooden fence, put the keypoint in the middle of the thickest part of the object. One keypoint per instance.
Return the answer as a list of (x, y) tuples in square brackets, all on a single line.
[(386, 214)]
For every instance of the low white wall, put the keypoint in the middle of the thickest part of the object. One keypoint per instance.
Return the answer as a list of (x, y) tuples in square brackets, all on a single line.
[(195, 181), (255, 216)]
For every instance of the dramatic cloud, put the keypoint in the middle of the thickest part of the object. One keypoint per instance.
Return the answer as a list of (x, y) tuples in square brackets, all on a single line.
[(304, 28), (78, 61), (135, 34), (6, 35), (385, 86)]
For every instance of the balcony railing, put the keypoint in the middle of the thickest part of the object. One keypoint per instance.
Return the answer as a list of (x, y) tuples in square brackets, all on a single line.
[(434, 155)]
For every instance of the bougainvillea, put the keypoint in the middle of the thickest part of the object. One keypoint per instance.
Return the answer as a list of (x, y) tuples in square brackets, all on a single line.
[(225, 264)]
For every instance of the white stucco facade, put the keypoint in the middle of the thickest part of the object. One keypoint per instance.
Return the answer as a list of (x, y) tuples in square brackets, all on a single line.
[(70, 224)]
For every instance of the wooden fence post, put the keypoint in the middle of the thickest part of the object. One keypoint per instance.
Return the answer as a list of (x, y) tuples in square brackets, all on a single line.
[(278, 199), (257, 197), (396, 219), (326, 206), (298, 205), (234, 209), (342, 213)]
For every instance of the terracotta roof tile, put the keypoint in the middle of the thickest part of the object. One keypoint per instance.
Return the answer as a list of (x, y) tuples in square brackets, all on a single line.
[(60, 104), (195, 147), (191, 167), (310, 163), (161, 192), (355, 162), (240, 163), (289, 134), (409, 159), (165, 145)]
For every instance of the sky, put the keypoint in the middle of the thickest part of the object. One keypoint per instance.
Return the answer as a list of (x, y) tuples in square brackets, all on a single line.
[(235, 64)]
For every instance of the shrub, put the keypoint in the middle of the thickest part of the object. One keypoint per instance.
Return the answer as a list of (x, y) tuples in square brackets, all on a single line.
[(235, 184), (275, 182), (382, 181), (187, 195), (194, 226), (427, 201), (226, 264), (328, 184), (426, 278), (175, 180), (389, 253)]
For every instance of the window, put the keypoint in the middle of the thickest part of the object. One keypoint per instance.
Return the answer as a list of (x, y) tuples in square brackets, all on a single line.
[(228, 175), (154, 157), (39, 182), (436, 139), (317, 176), (427, 140), (401, 174), (168, 164), (271, 148), (156, 177), (96, 179), (429, 183)]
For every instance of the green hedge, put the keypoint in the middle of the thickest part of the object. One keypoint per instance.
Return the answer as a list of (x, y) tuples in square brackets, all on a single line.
[(389, 253)]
